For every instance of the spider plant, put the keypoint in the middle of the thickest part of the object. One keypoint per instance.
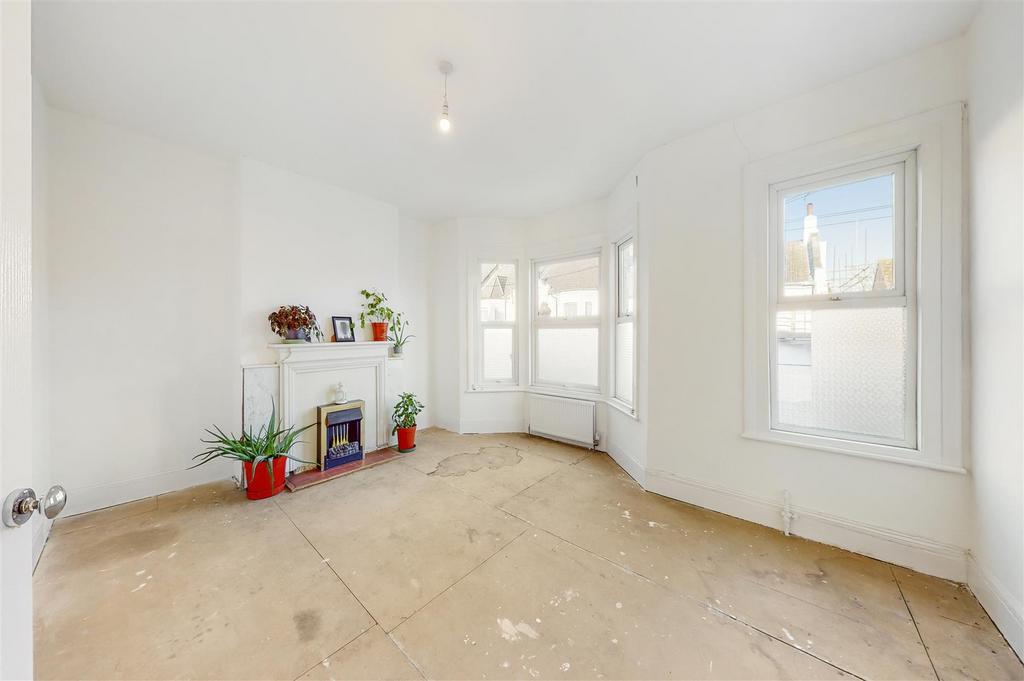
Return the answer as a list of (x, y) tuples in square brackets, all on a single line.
[(271, 441)]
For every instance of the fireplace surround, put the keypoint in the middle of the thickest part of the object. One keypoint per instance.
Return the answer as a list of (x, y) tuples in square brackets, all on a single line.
[(307, 375)]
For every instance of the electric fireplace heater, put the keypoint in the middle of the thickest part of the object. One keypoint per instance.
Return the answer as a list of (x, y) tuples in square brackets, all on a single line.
[(341, 433)]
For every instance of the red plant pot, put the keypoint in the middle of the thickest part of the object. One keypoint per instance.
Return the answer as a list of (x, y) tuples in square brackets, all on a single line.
[(258, 485), (406, 439), (380, 331)]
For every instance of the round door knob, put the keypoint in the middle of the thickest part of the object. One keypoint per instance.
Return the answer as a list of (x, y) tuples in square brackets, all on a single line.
[(22, 503), (18, 506), (54, 501)]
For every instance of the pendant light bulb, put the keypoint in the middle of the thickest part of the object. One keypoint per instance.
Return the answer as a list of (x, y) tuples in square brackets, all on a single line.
[(445, 123)]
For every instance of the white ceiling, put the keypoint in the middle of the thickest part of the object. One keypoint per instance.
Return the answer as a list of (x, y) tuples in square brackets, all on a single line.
[(551, 103)]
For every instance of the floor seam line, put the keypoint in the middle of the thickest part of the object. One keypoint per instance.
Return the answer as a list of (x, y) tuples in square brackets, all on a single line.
[(457, 581), (324, 559), (685, 597), (785, 643), (536, 482), (910, 611), (335, 652), (327, 561), (554, 472), (405, 653), (831, 612)]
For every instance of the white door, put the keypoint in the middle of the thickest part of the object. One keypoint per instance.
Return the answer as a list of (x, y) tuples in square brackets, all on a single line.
[(15, 331)]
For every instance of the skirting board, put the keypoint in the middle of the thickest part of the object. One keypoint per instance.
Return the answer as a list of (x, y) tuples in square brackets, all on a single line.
[(85, 499), (629, 464), (918, 553), (501, 425), (1005, 611)]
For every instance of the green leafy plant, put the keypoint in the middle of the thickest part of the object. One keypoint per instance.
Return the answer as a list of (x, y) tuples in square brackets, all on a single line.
[(262, 446), (398, 335), (375, 308), (405, 412)]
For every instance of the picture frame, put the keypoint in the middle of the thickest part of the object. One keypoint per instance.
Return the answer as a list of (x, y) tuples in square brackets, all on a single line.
[(344, 329)]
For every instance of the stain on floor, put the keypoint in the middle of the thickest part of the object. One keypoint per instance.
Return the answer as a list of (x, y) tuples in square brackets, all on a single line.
[(491, 458), (131, 543), (307, 624)]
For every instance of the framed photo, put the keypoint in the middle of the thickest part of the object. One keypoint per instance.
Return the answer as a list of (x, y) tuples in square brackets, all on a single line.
[(344, 330)]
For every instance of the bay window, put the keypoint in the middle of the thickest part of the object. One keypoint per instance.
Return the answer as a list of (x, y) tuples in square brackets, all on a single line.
[(625, 327), (567, 322), (496, 338)]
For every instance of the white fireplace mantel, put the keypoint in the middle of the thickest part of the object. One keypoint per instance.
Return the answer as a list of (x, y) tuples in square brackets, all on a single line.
[(308, 370), (286, 349)]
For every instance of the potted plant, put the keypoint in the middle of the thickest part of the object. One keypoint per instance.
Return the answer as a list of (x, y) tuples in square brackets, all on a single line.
[(404, 418), (398, 336), (376, 310), (295, 324), (268, 446)]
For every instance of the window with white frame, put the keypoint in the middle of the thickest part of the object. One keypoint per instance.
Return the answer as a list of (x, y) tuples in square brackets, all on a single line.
[(567, 322), (496, 328), (625, 313), (841, 303)]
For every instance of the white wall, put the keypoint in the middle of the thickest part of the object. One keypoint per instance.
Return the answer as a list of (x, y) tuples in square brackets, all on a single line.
[(413, 294), (41, 473), (995, 129), (686, 441), (164, 262), (144, 289), (695, 451), (445, 391), (307, 242)]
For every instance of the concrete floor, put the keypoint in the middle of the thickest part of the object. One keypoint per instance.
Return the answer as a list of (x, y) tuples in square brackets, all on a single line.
[(482, 557)]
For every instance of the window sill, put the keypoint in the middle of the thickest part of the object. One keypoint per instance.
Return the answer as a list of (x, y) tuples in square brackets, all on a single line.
[(576, 394), (620, 406), (850, 449), (616, 404), (495, 388)]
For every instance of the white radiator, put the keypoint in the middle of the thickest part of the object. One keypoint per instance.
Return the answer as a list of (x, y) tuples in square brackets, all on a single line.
[(563, 418)]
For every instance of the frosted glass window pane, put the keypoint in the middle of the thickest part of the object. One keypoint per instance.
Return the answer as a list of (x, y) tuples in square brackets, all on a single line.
[(568, 289), (843, 371), (567, 356), (497, 354), (840, 239), (627, 279), (497, 292), (624, 361)]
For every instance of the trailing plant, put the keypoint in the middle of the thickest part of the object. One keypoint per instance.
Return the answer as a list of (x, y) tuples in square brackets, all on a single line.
[(295, 318), (262, 446), (375, 308), (405, 412), (398, 335)]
